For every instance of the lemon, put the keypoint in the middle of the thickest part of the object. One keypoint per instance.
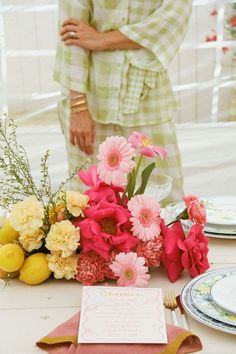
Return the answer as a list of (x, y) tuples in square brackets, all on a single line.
[(35, 269), (7, 233), (11, 257)]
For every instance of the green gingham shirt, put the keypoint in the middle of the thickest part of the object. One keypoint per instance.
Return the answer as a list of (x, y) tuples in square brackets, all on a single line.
[(125, 87)]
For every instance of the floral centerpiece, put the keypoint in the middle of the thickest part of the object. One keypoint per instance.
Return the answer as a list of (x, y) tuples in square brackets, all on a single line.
[(112, 230)]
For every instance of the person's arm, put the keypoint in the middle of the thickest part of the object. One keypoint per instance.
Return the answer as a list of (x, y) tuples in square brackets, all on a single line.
[(91, 39), (161, 33), (71, 71), (82, 132)]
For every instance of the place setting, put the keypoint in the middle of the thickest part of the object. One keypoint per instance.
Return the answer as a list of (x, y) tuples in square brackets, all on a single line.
[(210, 299), (220, 216)]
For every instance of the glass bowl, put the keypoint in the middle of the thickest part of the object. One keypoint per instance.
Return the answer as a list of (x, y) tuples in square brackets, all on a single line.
[(159, 186)]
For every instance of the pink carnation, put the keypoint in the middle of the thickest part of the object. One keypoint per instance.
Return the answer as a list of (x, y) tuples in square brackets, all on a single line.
[(116, 160), (90, 268), (107, 270), (144, 144), (196, 209), (106, 226), (151, 251)]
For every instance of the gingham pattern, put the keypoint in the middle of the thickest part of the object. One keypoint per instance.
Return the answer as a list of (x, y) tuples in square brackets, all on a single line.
[(162, 134), (125, 87)]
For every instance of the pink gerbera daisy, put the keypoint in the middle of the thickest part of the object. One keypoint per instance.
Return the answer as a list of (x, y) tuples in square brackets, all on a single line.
[(130, 269), (145, 218), (115, 155)]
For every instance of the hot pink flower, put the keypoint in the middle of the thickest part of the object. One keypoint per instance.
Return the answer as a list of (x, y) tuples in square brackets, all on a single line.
[(142, 142), (145, 218), (151, 251), (171, 257), (99, 190), (130, 269), (196, 209), (90, 268), (106, 226), (115, 155), (195, 250)]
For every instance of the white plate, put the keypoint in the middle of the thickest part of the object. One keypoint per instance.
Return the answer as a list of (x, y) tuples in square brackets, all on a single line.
[(217, 231), (221, 210), (223, 293), (198, 315), (202, 299)]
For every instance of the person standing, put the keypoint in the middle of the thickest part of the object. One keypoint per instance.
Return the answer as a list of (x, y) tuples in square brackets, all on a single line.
[(111, 62)]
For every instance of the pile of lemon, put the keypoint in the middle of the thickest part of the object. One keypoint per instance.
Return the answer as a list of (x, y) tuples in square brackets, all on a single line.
[(31, 270)]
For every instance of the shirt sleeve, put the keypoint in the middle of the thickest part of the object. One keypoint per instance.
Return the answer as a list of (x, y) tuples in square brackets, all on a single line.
[(160, 35), (71, 64)]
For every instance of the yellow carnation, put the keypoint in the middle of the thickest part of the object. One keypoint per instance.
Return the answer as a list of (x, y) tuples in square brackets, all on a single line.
[(76, 202), (31, 240), (64, 237), (63, 267), (27, 216)]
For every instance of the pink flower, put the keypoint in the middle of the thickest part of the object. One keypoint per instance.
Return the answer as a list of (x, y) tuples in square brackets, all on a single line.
[(107, 270), (195, 250), (90, 177), (232, 21), (130, 269), (90, 268), (171, 257), (145, 218), (115, 155), (196, 209), (98, 189), (151, 251), (106, 225), (142, 142)]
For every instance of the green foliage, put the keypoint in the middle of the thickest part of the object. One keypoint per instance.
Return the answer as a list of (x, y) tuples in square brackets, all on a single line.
[(146, 173), (16, 180)]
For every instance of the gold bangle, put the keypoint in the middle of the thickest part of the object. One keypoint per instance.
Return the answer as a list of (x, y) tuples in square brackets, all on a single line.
[(79, 109), (77, 96), (78, 103)]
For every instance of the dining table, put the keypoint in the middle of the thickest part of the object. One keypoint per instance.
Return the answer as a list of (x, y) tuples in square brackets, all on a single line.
[(28, 313)]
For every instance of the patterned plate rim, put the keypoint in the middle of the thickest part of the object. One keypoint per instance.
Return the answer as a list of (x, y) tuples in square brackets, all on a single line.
[(195, 313), (199, 282)]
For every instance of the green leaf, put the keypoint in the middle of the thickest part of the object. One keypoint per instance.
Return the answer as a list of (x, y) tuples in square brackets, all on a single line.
[(131, 184), (145, 177)]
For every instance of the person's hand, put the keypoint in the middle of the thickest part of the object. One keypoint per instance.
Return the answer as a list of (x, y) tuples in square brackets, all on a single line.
[(82, 131), (86, 36)]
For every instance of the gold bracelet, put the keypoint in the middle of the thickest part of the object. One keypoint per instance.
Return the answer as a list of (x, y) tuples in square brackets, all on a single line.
[(79, 109), (77, 96), (78, 103)]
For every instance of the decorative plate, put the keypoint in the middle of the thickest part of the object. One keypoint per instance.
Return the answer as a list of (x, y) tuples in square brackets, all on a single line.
[(202, 299), (198, 315), (223, 293)]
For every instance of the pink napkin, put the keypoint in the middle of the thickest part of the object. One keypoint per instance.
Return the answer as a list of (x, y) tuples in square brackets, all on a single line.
[(63, 340)]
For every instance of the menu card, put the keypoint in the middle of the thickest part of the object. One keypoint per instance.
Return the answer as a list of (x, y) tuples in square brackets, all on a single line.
[(122, 315)]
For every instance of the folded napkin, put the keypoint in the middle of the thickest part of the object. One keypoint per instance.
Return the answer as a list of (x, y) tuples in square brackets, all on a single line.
[(63, 340)]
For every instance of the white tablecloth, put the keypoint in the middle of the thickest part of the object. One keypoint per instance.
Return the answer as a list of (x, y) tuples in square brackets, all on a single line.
[(29, 313)]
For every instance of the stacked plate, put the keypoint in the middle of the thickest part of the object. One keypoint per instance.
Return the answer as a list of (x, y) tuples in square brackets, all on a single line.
[(221, 216), (211, 299)]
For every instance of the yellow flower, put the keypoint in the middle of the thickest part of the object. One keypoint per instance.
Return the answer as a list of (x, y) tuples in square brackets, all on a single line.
[(63, 267), (31, 240), (27, 216), (76, 202), (64, 237)]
